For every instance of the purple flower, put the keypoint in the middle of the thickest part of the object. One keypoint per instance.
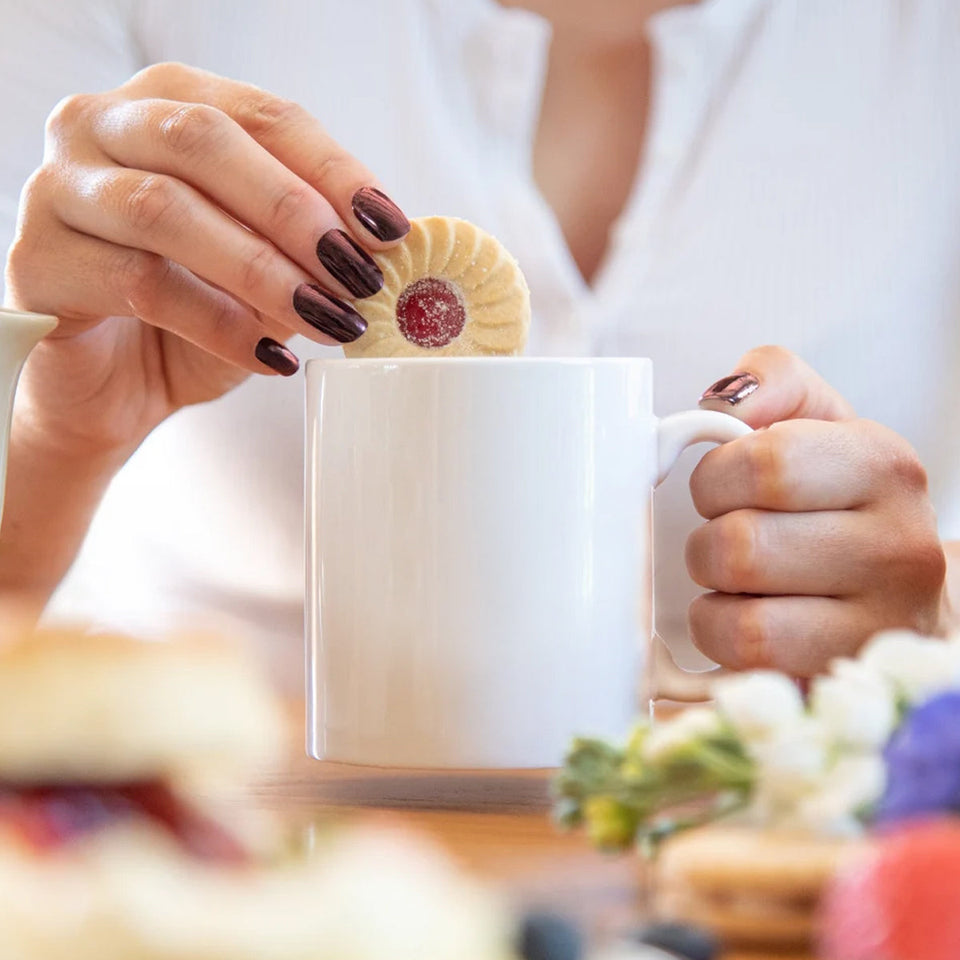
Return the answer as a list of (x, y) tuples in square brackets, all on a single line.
[(923, 763)]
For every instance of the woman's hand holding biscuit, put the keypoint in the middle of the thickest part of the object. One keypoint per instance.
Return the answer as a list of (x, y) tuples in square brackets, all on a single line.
[(183, 227)]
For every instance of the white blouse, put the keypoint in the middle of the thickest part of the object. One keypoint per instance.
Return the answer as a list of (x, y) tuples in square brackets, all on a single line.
[(800, 184)]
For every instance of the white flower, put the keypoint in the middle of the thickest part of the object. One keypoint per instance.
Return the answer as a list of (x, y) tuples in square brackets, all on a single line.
[(854, 782), (758, 703), (670, 737), (789, 765), (793, 758), (918, 667), (856, 707)]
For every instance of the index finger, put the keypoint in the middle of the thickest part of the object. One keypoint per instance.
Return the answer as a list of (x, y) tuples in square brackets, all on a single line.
[(793, 465), (295, 138)]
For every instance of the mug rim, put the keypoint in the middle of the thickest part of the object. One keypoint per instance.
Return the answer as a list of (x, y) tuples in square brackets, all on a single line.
[(385, 362)]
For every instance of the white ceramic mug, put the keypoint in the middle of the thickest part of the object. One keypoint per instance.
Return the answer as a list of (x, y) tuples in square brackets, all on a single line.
[(479, 554)]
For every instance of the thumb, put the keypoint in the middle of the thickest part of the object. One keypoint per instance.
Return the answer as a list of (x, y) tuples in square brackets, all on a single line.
[(772, 384)]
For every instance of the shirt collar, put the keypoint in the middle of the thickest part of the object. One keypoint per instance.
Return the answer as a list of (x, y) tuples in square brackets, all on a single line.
[(506, 49), (717, 26)]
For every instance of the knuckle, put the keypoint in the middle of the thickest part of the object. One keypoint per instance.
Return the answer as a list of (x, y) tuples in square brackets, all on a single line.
[(256, 273), (192, 128), (223, 322), (262, 114), (38, 187), (735, 633), (700, 622), (68, 113), (910, 473), (766, 467), (932, 563), (768, 357), (151, 203), (769, 354), (905, 560), (897, 458), (722, 554), (288, 204), (141, 276), (907, 472), (333, 165), (701, 488), (752, 635), (29, 242), (920, 562), (696, 553), (735, 553), (20, 261), (159, 76)]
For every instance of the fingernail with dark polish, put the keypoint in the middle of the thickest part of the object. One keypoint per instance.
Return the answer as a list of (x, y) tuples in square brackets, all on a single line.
[(328, 314), (277, 357), (348, 264), (733, 389), (379, 214)]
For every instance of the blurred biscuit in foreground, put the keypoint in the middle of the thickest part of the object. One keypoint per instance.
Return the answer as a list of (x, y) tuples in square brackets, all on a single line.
[(754, 888)]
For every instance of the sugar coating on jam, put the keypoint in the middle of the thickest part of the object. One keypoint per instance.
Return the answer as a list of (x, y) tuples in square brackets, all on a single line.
[(430, 312)]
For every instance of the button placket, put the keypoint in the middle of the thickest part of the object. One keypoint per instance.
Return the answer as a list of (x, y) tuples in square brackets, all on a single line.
[(693, 47), (515, 46)]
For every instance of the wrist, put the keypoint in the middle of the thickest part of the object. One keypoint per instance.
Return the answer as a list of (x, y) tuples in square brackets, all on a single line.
[(72, 409), (50, 446), (53, 433), (53, 488)]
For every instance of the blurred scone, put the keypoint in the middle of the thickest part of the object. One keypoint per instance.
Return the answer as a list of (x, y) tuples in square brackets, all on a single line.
[(109, 709), (106, 854)]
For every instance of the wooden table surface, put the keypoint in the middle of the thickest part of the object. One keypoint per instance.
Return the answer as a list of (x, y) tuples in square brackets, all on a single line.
[(495, 824)]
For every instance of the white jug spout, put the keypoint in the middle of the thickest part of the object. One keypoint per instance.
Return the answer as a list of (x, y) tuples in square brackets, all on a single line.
[(19, 334)]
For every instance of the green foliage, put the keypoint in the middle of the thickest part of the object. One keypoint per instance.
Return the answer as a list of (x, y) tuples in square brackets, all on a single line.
[(627, 795)]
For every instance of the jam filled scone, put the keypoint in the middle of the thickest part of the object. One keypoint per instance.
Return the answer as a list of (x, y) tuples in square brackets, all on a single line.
[(127, 831), (450, 289)]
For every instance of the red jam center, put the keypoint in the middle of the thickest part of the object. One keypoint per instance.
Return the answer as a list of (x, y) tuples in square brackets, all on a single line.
[(48, 818), (430, 312)]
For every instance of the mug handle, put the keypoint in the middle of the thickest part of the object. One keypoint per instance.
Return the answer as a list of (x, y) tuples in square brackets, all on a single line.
[(674, 434)]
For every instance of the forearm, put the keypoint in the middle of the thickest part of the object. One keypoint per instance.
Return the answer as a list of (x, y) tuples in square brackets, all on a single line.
[(51, 497)]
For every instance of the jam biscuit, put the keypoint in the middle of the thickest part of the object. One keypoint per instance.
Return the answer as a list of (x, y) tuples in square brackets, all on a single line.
[(450, 289), (751, 887)]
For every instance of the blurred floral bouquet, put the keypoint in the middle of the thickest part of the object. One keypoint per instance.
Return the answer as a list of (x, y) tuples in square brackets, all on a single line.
[(877, 741)]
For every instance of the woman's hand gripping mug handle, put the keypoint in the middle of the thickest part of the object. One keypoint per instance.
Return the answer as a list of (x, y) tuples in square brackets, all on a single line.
[(819, 530)]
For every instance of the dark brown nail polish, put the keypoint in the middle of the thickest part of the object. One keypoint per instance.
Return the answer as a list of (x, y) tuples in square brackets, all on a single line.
[(732, 389), (379, 214), (348, 264), (328, 314), (277, 357)]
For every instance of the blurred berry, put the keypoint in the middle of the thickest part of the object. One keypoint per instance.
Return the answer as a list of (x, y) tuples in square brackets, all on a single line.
[(680, 940), (901, 901), (548, 936)]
